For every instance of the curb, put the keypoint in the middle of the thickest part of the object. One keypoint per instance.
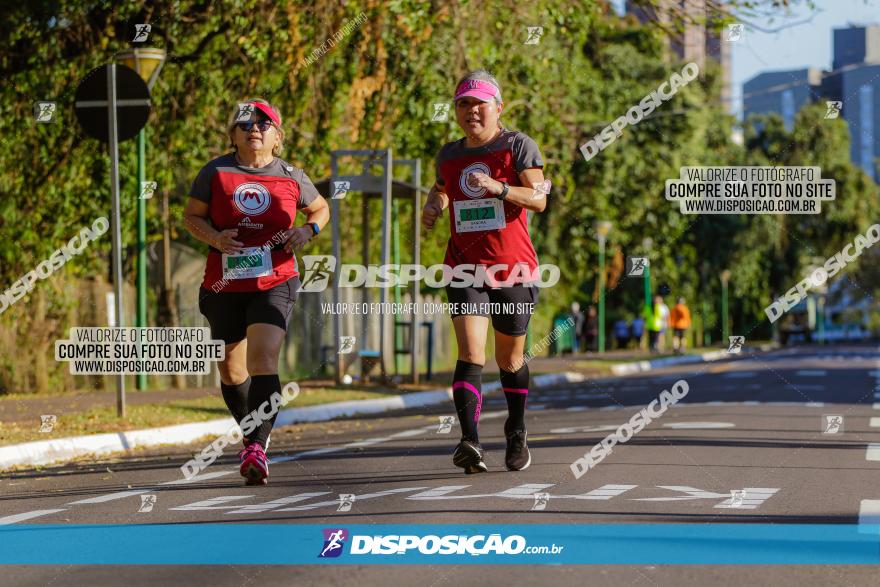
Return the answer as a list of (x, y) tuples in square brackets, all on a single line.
[(44, 452), (640, 366)]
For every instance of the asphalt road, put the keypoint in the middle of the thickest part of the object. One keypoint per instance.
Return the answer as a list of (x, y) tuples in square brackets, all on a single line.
[(754, 440)]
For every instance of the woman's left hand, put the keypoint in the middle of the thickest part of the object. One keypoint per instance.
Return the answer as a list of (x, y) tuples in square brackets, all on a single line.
[(297, 237), (478, 179)]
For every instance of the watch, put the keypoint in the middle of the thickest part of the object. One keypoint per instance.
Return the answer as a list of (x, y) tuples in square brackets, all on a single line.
[(503, 193), (315, 228)]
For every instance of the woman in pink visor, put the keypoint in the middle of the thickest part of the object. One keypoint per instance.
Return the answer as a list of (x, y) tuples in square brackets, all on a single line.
[(488, 180)]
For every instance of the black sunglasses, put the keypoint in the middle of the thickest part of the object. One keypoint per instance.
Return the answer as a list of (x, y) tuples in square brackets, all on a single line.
[(262, 125)]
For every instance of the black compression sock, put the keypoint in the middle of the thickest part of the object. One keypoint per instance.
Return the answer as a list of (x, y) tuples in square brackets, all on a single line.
[(516, 392), (235, 397), (468, 398), (262, 388)]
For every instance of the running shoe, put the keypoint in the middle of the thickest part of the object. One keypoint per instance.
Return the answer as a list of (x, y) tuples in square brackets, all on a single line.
[(469, 456), (254, 465), (517, 457)]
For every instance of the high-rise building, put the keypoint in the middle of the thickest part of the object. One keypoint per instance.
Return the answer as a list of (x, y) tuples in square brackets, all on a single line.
[(699, 40), (854, 83)]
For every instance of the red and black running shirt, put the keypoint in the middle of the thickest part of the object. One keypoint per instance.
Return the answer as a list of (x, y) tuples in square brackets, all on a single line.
[(503, 159), (259, 202)]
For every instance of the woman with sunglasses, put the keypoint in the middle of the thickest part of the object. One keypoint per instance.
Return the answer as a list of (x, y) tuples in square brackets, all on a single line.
[(489, 179), (243, 205)]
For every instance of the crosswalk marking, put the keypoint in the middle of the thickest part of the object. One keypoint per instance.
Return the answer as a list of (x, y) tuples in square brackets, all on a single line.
[(872, 453)]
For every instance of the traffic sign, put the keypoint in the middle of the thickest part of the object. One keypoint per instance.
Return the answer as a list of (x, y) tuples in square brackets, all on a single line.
[(132, 103)]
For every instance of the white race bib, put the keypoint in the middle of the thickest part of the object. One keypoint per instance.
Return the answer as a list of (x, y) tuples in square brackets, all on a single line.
[(248, 263), (476, 215)]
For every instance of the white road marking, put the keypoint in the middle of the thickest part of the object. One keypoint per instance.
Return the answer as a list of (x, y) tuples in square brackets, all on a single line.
[(359, 498), (14, 519), (275, 503), (527, 490), (874, 422), (535, 407), (739, 374), (202, 477), (752, 500), (576, 409), (869, 515), (811, 372), (873, 452), (698, 425), (754, 496), (111, 496), (212, 504), (603, 428), (603, 493)]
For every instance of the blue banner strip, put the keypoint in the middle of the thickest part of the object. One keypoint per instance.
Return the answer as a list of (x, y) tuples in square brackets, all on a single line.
[(526, 544)]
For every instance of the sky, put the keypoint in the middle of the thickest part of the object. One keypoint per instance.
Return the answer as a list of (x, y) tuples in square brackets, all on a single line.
[(804, 41)]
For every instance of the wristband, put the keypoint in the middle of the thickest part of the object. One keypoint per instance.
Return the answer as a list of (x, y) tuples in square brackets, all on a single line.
[(503, 193), (315, 228)]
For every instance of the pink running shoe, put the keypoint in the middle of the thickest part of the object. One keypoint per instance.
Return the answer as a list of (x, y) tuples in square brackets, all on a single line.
[(254, 465)]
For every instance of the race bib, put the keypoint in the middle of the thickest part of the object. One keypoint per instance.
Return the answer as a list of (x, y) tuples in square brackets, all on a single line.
[(476, 215), (248, 263)]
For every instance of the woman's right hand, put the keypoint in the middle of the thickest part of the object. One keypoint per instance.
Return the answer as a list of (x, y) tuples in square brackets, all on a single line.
[(226, 242), (430, 213)]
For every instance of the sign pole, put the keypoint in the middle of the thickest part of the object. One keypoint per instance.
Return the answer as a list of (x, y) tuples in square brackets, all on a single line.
[(117, 229)]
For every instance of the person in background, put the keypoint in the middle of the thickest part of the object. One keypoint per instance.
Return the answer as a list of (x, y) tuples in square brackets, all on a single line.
[(621, 333), (680, 321), (591, 329), (654, 322), (637, 330), (664, 323), (578, 326)]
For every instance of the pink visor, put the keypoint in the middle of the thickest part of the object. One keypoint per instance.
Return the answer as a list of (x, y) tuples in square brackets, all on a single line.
[(479, 89), (268, 111)]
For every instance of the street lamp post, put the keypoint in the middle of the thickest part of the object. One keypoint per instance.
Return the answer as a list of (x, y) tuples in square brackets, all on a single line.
[(725, 331), (147, 63), (603, 227), (647, 242)]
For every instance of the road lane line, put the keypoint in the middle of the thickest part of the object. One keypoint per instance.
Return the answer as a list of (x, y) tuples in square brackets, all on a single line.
[(14, 519), (212, 504), (271, 505), (112, 496), (202, 477), (811, 372)]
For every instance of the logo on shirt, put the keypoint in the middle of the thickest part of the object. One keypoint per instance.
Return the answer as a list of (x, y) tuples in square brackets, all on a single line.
[(248, 223), (251, 199), (463, 179)]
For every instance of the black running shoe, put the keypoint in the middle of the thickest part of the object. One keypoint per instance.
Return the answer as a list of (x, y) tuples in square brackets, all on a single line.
[(469, 456), (517, 457)]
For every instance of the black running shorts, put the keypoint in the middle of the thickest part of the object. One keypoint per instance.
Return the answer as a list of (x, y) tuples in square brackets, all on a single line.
[(510, 308), (230, 313)]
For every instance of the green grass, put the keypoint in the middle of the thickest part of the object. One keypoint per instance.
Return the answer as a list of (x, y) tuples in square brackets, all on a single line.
[(103, 419)]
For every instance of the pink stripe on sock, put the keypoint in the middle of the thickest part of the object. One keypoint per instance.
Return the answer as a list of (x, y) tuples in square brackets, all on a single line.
[(469, 387), (515, 390)]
